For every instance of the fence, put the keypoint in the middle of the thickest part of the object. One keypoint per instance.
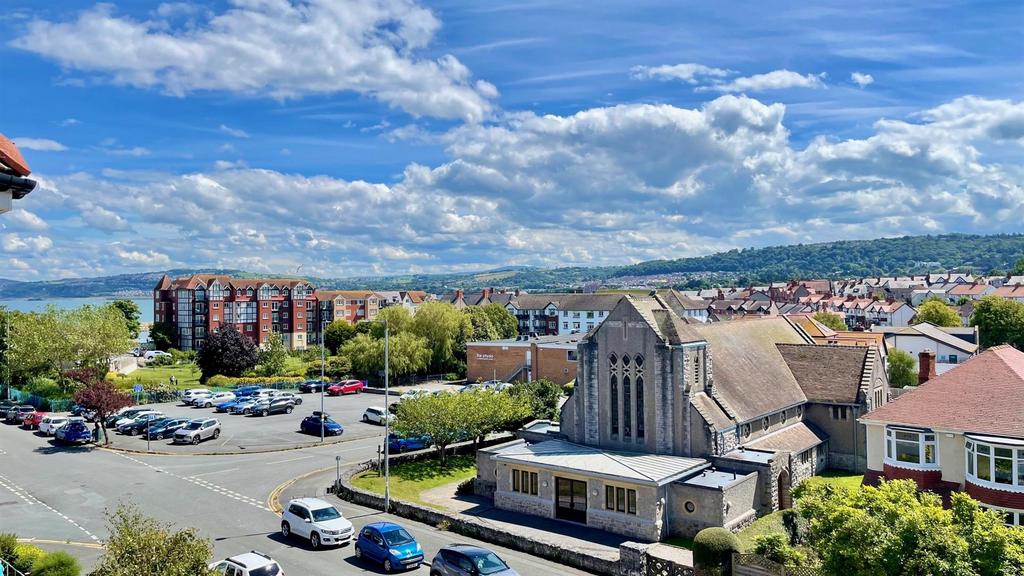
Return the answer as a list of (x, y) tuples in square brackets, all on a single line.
[(40, 402), (7, 570), (757, 565)]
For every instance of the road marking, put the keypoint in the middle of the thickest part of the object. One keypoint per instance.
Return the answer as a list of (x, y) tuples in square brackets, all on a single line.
[(289, 460), (216, 472), (195, 480), (92, 545), (274, 499), (32, 501)]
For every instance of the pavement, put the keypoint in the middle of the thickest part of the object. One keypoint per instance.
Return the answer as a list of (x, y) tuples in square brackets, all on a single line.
[(60, 495)]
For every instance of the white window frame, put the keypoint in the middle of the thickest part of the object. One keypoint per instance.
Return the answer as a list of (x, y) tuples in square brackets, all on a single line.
[(922, 444), (1016, 468)]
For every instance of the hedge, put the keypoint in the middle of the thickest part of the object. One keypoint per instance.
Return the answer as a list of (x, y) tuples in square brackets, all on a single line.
[(229, 382), (713, 548)]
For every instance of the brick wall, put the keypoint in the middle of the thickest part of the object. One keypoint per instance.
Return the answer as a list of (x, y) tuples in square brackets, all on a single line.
[(488, 362), (553, 364), (926, 479), (994, 497)]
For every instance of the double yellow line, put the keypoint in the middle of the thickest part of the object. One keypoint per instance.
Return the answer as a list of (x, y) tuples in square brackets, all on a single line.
[(274, 499)]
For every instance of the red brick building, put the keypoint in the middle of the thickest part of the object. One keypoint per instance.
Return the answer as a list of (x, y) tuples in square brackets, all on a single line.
[(523, 359), (961, 430), (351, 306)]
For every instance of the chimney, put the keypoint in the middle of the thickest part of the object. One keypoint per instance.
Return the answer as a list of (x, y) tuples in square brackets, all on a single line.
[(459, 294), (487, 292), (516, 292), (926, 366)]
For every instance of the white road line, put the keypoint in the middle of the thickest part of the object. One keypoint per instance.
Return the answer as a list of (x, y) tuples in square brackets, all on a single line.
[(32, 501), (289, 460), (195, 480), (216, 472)]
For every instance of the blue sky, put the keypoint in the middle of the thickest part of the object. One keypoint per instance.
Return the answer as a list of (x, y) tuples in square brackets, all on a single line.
[(381, 136)]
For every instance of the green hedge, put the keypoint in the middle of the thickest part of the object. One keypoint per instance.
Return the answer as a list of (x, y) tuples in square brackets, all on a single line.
[(229, 382), (27, 558), (713, 548)]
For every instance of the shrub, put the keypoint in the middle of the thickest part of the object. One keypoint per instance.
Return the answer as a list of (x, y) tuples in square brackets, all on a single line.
[(161, 361), (56, 564), (8, 547), (25, 555), (713, 548), (44, 388), (465, 488), (775, 548), (228, 382)]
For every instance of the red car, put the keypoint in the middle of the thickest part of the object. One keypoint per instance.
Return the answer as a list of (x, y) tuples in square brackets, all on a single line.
[(32, 419), (346, 387)]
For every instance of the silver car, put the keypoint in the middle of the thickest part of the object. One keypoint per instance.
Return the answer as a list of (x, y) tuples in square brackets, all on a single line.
[(198, 430), (468, 560)]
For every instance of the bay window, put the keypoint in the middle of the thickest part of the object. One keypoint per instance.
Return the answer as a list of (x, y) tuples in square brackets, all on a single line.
[(916, 448), (1000, 466)]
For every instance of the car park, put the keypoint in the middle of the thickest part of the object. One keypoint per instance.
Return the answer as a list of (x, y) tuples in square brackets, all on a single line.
[(191, 393), (413, 393), (249, 564), (346, 387), (245, 406), (311, 386), (126, 419), (74, 432), (16, 414), (295, 398), (79, 410), (6, 405), (268, 406), (198, 430), (198, 399), (376, 414), (471, 387), (398, 443), (52, 422), (467, 559), (165, 428), (33, 419), (214, 399), (312, 424), (140, 423), (390, 545), (317, 521)]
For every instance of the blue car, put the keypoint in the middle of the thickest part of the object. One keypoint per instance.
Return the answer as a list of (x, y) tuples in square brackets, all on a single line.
[(397, 443), (227, 406), (73, 433), (243, 391), (311, 425), (390, 545)]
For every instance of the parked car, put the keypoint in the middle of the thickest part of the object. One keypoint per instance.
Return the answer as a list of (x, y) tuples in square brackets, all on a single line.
[(245, 406), (316, 520), (398, 443), (191, 393), (227, 406), (311, 425), (164, 428), (6, 405), (311, 386), (132, 412), (471, 387), (151, 354), (496, 386), (197, 399), (249, 564), (197, 430), (376, 414), (79, 410), (214, 399), (413, 393), (141, 423), (16, 414), (33, 419), (268, 406), (265, 393), (246, 390), (122, 421), (346, 387), (463, 559), (74, 432), (390, 545), (52, 422), (295, 398)]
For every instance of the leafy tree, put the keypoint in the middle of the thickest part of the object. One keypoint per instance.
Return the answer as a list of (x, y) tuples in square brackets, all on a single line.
[(163, 336), (446, 330), (273, 356), (504, 322), (142, 545), (1018, 268), (337, 333), (483, 328), (937, 312), (337, 367), (364, 327), (56, 564), (999, 321), (130, 310), (833, 321), (902, 369), (398, 319), (543, 396), (408, 354), (102, 398), (5, 361), (775, 547), (227, 352)]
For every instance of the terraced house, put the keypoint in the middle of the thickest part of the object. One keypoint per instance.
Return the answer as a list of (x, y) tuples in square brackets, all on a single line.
[(675, 425), (201, 304)]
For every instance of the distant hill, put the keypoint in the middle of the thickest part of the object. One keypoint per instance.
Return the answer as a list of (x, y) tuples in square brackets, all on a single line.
[(854, 258)]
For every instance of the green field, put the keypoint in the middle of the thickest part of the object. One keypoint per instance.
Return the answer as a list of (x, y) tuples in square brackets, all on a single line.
[(838, 478), (410, 480), (187, 375)]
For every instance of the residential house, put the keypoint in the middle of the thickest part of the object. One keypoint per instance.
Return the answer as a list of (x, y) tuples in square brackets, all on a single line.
[(408, 299), (674, 426), (960, 431), (939, 291), (352, 306), (972, 291), (952, 346), (1013, 292), (562, 314), (685, 306), (14, 184)]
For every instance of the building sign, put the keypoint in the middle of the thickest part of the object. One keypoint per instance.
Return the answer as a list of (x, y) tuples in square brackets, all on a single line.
[(480, 356)]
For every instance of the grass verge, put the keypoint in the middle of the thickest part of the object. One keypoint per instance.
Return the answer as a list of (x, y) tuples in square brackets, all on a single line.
[(151, 375), (838, 478), (411, 479)]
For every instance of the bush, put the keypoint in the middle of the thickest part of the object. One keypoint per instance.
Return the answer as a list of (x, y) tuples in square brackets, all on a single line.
[(44, 388), (776, 548), (182, 356), (25, 555), (465, 488), (56, 564), (228, 382), (713, 548), (8, 547), (161, 361)]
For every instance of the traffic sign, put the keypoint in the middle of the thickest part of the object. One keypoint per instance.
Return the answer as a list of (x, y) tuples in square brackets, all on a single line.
[(138, 388)]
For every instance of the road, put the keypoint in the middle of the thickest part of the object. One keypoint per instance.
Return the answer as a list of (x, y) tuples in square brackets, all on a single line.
[(61, 494)]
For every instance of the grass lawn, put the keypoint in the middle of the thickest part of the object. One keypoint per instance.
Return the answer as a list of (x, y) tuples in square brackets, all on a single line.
[(838, 478), (410, 480), (763, 525), (161, 375)]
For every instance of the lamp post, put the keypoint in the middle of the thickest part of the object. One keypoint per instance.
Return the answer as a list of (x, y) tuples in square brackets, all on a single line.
[(323, 385), (387, 422)]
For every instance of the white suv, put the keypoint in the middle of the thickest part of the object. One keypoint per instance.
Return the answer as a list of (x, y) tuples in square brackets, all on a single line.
[(316, 520), (249, 564), (192, 394)]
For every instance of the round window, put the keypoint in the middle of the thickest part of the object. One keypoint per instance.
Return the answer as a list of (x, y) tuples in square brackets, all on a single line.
[(690, 506)]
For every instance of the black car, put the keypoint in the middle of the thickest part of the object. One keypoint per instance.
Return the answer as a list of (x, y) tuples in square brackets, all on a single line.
[(312, 386), (269, 406), (139, 426), (164, 428)]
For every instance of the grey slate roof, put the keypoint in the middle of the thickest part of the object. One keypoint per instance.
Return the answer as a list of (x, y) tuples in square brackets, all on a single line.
[(636, 467), (795, 438), (828, 373)]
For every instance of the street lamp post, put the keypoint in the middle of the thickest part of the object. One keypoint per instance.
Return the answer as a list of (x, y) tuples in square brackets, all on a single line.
[(387, 422), (323, 385)]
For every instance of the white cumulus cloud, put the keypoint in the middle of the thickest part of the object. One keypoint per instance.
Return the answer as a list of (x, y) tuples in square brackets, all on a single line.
[(39, 144), (690, 73), (15, 243), (774, 80), (24, 220), (862, 79)]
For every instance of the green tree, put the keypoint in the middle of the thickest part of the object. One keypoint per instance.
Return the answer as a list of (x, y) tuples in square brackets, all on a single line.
[(56, 564), (163, 336), (937, 312), (999, 321), (833, 321), (543, 396), (902, 369), (227, 352), (398, 318), (483, 328), (446, 330), (141, 545), (337, 333), (503, 320), (273, 356), (408, 354), (1018, 268), (130, 310)]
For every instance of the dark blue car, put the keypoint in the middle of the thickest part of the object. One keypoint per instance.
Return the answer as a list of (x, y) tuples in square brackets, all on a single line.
[(398, 443), (390, 545), (243, 391), (311, 425), (165, 428), (73, 433), (227, 406)]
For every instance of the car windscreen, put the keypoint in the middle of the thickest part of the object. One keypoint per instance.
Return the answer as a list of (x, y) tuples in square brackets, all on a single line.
[(324, 514), (488, 563), (194, 426), (397, 537), (268, 570)]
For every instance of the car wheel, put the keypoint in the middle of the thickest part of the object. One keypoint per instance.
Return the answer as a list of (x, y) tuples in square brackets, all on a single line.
[(288, 410), (387, 566), (286, 530), (132, 432), (314, 541), (216, 434), (265, 413), (195, 440), (365, 419), (298, 401)]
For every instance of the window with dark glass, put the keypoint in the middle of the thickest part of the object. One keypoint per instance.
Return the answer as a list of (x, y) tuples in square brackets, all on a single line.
[(613, 393), (627, 415), (639, 405)]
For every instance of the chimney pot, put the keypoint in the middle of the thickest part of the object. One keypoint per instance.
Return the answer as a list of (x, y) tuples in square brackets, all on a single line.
[(925, 366)]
